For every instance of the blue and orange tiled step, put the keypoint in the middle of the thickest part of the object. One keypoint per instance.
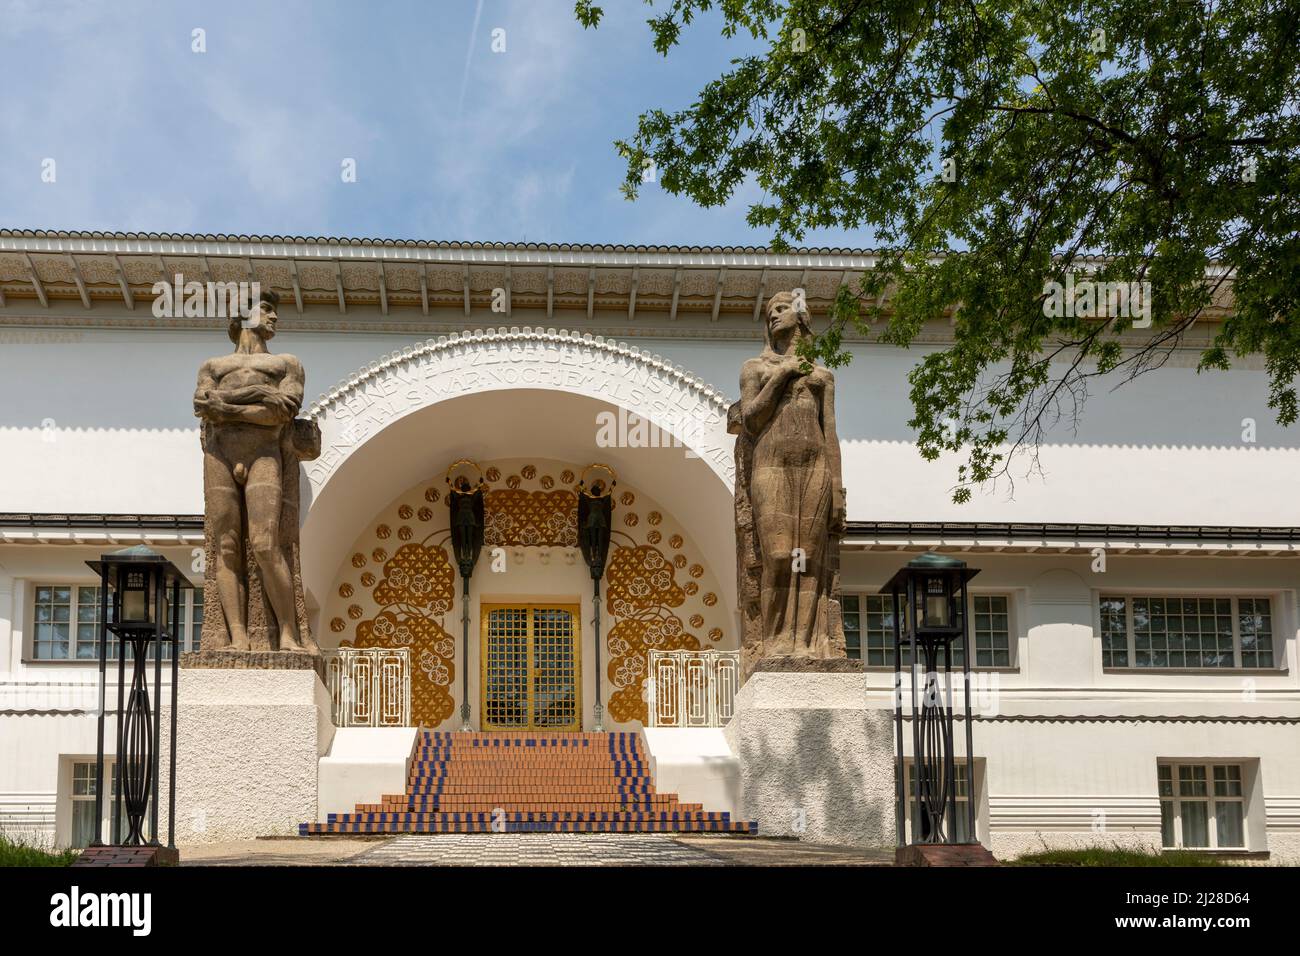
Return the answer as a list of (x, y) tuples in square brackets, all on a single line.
[(529, 781)]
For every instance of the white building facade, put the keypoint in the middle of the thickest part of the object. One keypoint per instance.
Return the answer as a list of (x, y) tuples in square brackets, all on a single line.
[(1134, 619)]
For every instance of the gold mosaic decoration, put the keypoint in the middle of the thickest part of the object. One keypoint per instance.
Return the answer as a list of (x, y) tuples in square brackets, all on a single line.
[(645, 602), (530, 518), (416, 590), (641, 590)]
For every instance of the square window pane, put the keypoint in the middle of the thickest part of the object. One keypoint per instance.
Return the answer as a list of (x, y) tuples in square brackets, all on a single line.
[(83, 823), (1191, 781), (1229, 825), (1196, 827), (1167, 823)]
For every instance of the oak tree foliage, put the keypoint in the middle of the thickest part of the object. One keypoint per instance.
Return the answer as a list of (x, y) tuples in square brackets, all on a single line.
[(993, 146)]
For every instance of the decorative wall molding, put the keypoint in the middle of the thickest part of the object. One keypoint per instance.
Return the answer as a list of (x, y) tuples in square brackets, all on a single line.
[(496, 359)]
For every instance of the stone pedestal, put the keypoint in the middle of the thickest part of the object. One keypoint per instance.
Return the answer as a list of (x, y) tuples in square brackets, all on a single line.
[(128, 856), (951, 854), (816, 762), (248, 743)]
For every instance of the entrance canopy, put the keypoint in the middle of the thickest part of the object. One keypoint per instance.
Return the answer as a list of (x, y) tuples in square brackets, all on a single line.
[(504, 393)]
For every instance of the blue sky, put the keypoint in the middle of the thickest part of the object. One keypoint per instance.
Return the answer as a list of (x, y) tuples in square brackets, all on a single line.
[(451, 140)]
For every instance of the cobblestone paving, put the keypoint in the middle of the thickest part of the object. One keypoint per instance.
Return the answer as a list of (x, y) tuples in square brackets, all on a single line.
[(536, 849), (607, 849), (531, 849)]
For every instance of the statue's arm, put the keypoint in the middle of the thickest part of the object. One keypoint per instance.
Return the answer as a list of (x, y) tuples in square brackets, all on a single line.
[(254, 404), (211, 403), (293, 385), (759, 398), (207, 384)]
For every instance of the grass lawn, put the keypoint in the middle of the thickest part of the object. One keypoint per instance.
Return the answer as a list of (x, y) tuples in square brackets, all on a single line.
[(1100, 856), (16, 851)]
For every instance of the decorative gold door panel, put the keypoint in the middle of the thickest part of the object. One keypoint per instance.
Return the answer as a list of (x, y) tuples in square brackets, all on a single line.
[(531, 677)]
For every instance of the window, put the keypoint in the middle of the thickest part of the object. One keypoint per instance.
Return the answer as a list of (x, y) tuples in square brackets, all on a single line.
[(67, 623), (191, 617), (961, 798), (869, 618), (1202, 806), (83, 802), (869, 624), (1186, 632)]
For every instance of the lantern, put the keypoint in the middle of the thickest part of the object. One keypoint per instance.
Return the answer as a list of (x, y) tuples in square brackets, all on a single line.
[(465, 501), (144, 590), (929, 599), (595, 523)]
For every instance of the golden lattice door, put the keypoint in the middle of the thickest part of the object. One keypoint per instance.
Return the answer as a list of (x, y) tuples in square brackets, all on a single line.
[(530, 672)]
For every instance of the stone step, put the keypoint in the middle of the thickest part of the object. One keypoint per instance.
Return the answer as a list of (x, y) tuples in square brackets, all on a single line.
[(584, 813), (487, 826), (542, 782), (514, 803)]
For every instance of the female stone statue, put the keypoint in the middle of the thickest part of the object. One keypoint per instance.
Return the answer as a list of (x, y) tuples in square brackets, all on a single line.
[(789, 470)]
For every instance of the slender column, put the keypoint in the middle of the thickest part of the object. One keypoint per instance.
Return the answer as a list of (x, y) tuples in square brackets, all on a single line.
[(171, 766), (970, 731), (117, 757), (949, 766), (918, 835), (900, 785), (464, 653), (103, 704), (159, 590), (599, 710)]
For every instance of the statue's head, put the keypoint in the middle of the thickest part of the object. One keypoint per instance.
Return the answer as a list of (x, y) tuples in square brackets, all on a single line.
[(786, 315), (261, 318), (462, 484)]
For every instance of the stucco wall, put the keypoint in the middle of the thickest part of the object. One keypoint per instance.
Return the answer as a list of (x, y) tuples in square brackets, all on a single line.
[(1168, 447), (816, 760)]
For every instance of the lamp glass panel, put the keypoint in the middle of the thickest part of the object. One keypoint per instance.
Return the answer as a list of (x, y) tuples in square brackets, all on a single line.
[(135, 596), (937, 605)]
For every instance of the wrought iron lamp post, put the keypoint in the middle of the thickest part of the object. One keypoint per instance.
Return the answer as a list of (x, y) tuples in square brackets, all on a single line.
[(929, 613), (145, 612), (466, 505), (595, 522)]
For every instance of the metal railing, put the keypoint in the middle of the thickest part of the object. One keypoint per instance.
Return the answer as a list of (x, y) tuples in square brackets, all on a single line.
[(370, 686), (693, 688)]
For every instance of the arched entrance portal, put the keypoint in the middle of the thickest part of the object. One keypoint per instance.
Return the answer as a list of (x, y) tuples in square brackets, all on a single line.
[(533, 407)]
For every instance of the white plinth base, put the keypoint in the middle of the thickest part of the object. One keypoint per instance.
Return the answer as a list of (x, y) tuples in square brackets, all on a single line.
[(362, 765), (697, 764), (816, 762), (247, 747)]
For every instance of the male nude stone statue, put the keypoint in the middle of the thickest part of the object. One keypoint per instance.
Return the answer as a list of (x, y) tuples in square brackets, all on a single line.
[(252, 444), (789, 496)]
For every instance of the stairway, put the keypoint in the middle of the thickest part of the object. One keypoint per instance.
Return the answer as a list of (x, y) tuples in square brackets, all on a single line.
[(529, 782)]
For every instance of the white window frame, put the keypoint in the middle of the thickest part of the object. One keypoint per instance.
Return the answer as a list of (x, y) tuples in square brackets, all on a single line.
[(106, 811), (1012, 642), (1276, 608), (1211, 801), (959, 769), (191, 598)]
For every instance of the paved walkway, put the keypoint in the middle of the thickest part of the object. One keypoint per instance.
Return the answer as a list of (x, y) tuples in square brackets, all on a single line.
[(532, 849)]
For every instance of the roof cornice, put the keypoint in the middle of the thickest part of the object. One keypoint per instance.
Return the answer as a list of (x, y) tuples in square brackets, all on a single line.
[(420, 250)]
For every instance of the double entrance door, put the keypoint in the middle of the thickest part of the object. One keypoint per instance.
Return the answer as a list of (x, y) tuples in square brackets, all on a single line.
[(531, 677)]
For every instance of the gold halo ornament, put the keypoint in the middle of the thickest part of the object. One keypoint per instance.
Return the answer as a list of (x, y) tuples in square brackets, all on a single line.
[(457, 464), (607, 488)]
